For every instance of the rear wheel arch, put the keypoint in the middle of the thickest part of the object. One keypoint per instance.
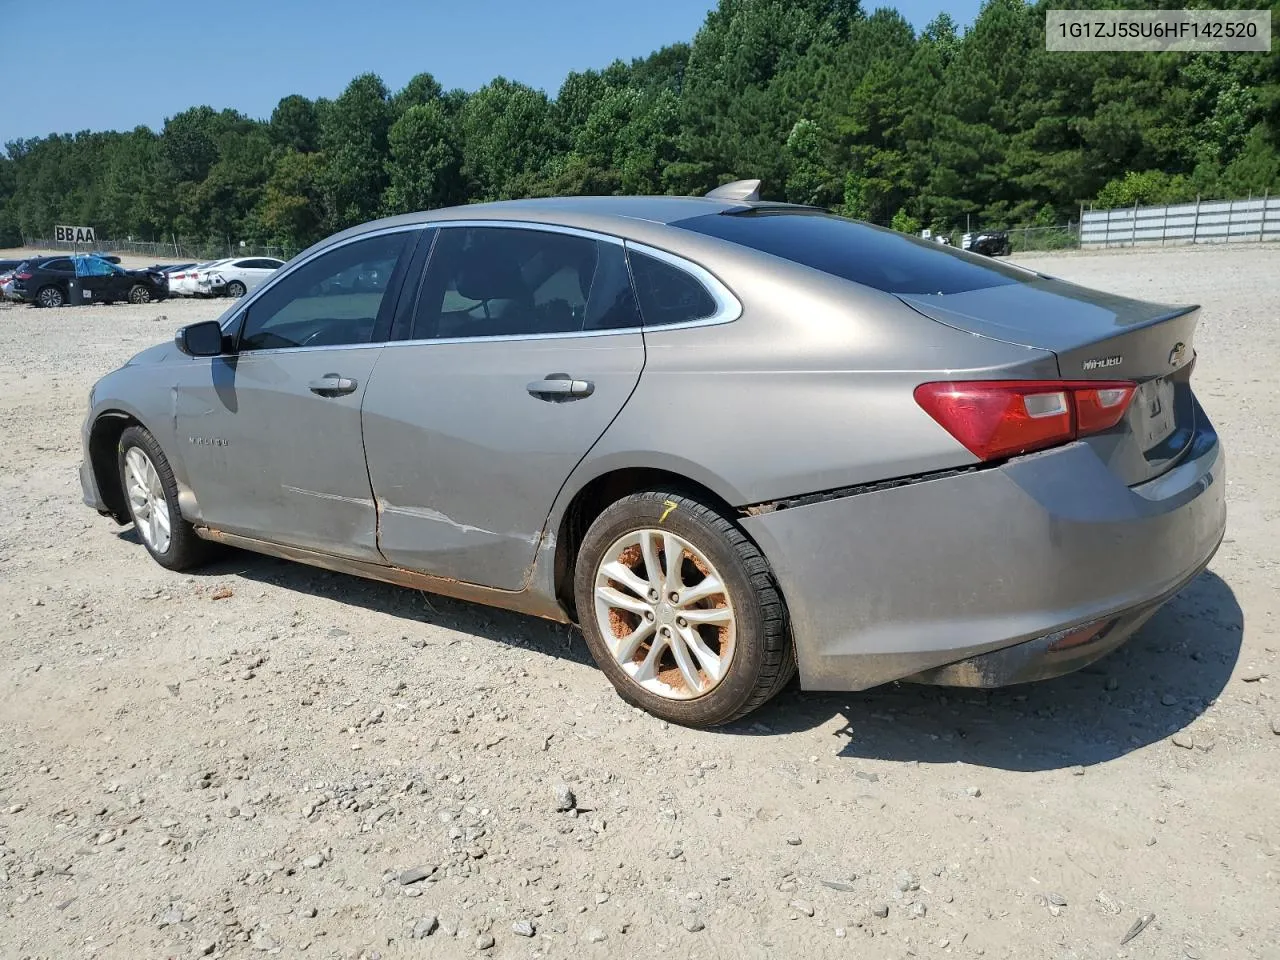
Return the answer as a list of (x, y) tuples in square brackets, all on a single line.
[(599, 493)]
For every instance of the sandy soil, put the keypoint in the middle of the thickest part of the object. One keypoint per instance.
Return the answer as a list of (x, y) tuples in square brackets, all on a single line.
[(183, 775)]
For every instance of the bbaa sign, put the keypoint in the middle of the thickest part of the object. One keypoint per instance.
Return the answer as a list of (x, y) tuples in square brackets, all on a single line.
[(74, 235)]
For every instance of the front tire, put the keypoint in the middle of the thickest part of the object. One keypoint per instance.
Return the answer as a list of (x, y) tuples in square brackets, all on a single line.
[(152, 495), (699, 642)]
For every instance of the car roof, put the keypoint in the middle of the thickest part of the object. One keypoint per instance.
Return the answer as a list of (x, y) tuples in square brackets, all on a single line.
[(663, 210), (645, 219)]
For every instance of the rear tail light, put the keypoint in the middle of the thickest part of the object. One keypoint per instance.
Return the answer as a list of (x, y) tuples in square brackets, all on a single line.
[(1003, 418), (22, 276)]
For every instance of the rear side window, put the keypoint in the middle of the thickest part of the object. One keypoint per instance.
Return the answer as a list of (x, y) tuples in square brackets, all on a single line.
[(667, 294), (506, 281), (873, 256), (59, 265)]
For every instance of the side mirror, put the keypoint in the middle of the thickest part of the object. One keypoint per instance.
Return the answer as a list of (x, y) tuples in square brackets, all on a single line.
[(202, 339)]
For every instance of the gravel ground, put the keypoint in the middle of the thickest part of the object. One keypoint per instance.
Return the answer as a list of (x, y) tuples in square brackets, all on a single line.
[(269, 758)]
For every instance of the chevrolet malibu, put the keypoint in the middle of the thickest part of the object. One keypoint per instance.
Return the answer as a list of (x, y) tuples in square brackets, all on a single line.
[(728, 438)]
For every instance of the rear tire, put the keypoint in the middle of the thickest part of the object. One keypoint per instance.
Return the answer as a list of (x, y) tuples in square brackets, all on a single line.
[(726, 626), (150, 490), (49, 296), (139, 293), (235, 290)]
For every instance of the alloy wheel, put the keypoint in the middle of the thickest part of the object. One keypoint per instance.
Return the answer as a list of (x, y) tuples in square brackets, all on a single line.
[(147, 501), (665, 614), (50, 297)]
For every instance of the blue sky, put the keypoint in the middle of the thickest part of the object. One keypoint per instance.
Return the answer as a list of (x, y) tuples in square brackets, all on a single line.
[(119, 64)]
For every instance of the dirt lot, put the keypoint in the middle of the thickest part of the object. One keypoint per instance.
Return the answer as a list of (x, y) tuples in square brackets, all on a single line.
[(248, 760)]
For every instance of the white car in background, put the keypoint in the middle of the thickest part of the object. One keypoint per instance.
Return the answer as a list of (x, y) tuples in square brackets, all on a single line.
[(236, 277), (183, 283)]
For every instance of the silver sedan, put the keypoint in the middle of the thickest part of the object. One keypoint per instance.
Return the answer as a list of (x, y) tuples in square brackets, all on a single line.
[(728, 438)]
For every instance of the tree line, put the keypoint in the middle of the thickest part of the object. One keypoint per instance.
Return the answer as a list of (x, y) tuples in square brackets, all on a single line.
[(830, 105)]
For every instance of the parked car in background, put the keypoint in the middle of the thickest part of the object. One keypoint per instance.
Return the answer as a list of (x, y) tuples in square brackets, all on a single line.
[(236, 277), (991, 243), (7, 270), (958, 471), (59, 281), (169, 269), (183, 283)]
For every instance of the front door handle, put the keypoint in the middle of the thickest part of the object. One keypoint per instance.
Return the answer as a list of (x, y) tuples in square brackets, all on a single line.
[(559, 387), (332, 385)]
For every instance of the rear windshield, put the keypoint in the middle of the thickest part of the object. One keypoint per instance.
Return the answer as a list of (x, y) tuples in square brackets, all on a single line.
[(874, 256)]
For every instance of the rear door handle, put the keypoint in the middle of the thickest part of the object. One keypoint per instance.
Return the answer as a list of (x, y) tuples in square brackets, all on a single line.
[(558, 387), (332, 385)]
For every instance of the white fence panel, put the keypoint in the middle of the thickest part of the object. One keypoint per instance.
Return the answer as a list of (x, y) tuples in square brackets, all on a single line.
[(1210, 221)]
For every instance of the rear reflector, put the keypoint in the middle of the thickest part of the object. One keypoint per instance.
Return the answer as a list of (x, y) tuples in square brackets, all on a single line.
[(1079, 636), (1003, 418)]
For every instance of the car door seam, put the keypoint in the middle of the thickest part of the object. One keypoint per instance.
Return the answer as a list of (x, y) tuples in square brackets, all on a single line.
[(546, 523)]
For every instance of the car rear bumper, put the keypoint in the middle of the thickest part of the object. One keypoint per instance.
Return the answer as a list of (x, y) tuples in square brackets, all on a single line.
[(983, 578)]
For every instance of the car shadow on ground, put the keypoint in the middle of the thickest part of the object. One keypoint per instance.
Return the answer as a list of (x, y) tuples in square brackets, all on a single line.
[(1150, 688), (1184, 654), (413, 606)]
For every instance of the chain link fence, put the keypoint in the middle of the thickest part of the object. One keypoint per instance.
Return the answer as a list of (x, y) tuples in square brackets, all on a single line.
[(173, 250), (1063, 236)]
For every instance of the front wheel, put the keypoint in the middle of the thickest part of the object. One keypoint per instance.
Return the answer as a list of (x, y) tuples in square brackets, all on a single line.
[(152, 494), (681, 611), (139, 293)]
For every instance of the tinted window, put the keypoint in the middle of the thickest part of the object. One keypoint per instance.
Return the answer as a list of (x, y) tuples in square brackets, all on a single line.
[(333, 300), (883, 259), (499, 281), (667, 294), (62, 265)]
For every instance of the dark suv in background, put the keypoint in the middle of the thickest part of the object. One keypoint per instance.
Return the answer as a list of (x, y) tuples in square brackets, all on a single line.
[(58, 281)]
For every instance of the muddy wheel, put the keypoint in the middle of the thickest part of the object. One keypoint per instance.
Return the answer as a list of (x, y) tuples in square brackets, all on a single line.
[(681, 611)]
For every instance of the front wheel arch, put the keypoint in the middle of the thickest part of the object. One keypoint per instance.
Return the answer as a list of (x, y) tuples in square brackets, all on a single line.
[(104, 437)]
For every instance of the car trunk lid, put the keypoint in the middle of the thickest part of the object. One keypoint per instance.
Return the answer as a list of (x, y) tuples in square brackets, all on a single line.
[(1096, 336)]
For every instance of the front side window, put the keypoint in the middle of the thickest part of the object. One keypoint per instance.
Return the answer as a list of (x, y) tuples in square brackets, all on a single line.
[(504, 281), (94, 267), (336, 299)]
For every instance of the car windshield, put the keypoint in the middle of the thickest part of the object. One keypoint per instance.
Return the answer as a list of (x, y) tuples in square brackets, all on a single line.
[(873, 256)]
